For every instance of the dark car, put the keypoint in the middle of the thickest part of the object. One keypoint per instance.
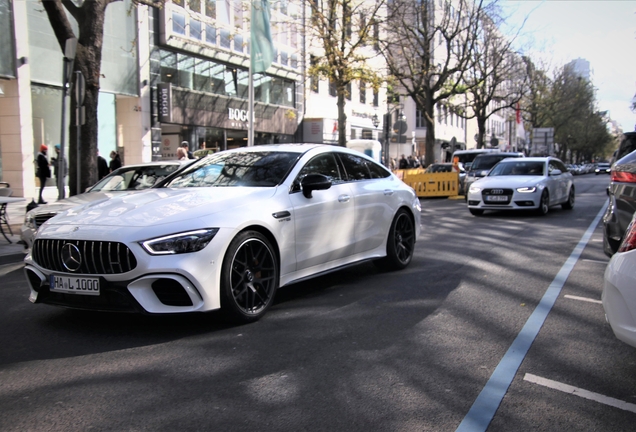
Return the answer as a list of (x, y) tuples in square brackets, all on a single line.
[(602, 168), (483, 163), (622, 202)]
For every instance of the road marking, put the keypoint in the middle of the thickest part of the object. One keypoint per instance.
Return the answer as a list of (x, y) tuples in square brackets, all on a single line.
[(585, 299), (485, 406), (596, 261), (555, 385)]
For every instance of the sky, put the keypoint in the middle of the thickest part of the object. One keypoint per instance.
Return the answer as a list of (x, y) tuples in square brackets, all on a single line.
[(601, 32)]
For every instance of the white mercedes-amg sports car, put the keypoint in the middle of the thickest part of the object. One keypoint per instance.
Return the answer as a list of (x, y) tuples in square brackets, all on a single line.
[(226, 232)]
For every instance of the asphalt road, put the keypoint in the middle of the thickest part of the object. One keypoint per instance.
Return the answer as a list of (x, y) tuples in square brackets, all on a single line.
[(356, 350)]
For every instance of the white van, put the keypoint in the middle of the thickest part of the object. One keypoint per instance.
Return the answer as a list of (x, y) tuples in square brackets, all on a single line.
[(371, 148)]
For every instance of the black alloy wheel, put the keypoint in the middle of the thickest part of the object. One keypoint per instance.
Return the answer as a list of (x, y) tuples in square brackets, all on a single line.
[(400, 244), (249, 277)]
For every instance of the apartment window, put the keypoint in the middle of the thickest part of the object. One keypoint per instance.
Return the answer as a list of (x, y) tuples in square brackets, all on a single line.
[(376, 98), (238, 43), (226, 39), (194, 5), (363, 92), (195, 30), (420, 120), (294, 61), (179, 2), (210, 34), (284, 58), (348, 93), (178, 23), (210, 8)]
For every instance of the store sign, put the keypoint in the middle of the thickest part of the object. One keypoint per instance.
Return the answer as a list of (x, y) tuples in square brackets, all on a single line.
[(238, 114), (165, 102)]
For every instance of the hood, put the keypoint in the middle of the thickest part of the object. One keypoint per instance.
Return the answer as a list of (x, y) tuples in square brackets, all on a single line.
[(509, 181), (159, 206), (74, 201)]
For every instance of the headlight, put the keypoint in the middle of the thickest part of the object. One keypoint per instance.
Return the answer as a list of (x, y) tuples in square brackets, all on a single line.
[(29, 221), (474, 189), (191, 241), (528, 189)]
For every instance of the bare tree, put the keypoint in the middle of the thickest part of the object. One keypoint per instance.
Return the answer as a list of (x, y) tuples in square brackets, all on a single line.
[(429, 51), (496, 77), (345, 32)]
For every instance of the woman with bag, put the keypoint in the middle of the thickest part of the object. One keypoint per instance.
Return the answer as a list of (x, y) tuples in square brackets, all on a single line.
[(43, 172)]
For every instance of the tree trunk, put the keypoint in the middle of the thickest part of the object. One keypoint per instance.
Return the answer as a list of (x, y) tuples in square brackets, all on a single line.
[(342, 118), (481, 132)]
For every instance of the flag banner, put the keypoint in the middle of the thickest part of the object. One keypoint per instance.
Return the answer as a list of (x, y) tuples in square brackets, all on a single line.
[(261, 46)]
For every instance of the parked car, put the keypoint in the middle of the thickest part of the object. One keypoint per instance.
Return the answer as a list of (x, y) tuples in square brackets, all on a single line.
[(619, 295), (602, 168), (622, 202), (483, 163), (521, 184), (226, 232), (125, 179)]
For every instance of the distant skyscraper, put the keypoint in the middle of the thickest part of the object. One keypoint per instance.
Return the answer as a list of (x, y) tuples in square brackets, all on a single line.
[(580, 67)]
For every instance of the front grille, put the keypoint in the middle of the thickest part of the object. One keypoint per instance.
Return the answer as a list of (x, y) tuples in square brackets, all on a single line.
[(96, 257), (43, 217), (496, 196)]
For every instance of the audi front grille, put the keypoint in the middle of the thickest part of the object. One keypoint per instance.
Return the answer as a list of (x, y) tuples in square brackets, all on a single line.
[(95, 257)]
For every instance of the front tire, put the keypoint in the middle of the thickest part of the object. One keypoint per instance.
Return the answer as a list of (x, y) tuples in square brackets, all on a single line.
[(249, 277), (544, 204), (400, 244), (569, 204)]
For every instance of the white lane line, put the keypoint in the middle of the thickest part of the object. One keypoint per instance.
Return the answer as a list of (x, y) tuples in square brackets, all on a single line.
[(555, 385), (585, 299), (605, 262)]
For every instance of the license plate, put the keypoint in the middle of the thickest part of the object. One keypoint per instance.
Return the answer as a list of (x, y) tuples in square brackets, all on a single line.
[(74, 284), (497, 198)]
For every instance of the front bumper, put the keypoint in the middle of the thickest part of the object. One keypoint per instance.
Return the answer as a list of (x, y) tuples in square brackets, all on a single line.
[(515, 201)]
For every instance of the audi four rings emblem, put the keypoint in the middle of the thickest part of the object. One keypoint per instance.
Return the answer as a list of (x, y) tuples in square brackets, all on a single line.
[(496, 191), (71, 257)]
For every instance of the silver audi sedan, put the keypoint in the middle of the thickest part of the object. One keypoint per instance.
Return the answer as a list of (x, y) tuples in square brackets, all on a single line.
[(226, 232), (521, 184)]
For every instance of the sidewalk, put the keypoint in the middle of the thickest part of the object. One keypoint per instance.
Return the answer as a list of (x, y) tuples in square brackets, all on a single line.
[(14, 252)]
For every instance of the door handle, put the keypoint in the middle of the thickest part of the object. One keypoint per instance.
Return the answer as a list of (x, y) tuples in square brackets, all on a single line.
[(388, 192), (344, 198)]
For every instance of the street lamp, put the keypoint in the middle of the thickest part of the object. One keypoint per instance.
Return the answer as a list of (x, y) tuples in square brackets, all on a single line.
[(69, 57), (375, 120)]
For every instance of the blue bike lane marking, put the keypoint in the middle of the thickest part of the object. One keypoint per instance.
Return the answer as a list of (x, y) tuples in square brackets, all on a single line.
[(485, 406)]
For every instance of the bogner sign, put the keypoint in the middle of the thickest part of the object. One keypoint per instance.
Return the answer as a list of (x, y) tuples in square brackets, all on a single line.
[(238, 114)]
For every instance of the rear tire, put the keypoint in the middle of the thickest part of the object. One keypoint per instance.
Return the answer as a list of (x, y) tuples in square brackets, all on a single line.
[(400, 244), (569, 204), (249, 277)]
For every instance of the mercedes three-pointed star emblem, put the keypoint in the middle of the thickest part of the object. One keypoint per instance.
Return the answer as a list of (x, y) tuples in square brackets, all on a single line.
[(71, 257)]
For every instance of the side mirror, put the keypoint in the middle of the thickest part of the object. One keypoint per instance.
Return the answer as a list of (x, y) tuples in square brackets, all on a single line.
[(555, 172), (312, 182)]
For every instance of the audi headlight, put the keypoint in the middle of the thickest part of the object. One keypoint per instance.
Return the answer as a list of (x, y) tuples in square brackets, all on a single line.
[(474, 189), (185, 242), (527, 189)]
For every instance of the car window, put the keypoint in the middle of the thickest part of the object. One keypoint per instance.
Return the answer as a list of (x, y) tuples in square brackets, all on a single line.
[(254, 169), (518, 168), (324, 164), (554, 165), (377, 171), (134, 178), (356, 167)]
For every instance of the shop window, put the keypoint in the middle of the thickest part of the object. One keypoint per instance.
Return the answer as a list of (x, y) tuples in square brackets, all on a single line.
[(276, 94), (238, 43), (363, 92), (201, 81), (242, 83), (210, 34), (226, 39), (195, 30), (178, 23), (288, 87), (217, 79), (229, 79), (169, 67), (210, 8)]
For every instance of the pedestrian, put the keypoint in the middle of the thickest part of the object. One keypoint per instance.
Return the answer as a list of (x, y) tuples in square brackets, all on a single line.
[(55, 161), (182, 153), (186, 147), (403, 163), (115, 161), (102, 166), (43, 171)]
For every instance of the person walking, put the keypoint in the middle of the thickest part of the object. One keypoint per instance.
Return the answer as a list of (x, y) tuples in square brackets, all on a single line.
[(115, 161), (102, 166), (403, 163), (43, 171)]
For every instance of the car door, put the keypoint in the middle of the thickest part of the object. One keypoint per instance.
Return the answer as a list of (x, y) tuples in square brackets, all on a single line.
[(323, 224), (374, 201), (558, 182)]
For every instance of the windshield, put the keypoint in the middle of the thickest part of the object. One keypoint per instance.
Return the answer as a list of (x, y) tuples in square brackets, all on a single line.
[(134, 178), (255, 169), (486, 162), (518, 168)]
